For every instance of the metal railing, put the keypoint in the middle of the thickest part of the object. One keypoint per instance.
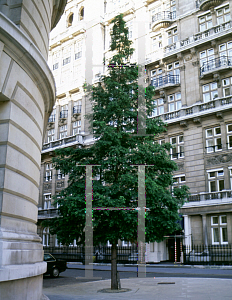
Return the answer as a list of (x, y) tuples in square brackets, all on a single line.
[(225, 194), (208, 255), (164, 15), (216, 63), (47, 213), (165, 80), (77, 109), (125, 254), (63, 114), (199, 37), (74, 139), (51, 119)]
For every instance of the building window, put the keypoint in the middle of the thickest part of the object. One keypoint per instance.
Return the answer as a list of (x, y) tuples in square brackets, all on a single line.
[(225, 49), (64, 112), (76, 127), (55, 66), (216, 180), (172, 36), (229, 135), (227, 86), (70, 20), (67, 60), (81, 14), (60, 175), (178, 180), (63, 131), (210, 91), (205, 22), (174, 102), (207, 57), (157, 43), (177, 150), (48, 172), (51, 135), (159, 107), (223, 15), (219, 229), (46, 237), (78, 50), (47, 201), (129, 26), (213, 139)]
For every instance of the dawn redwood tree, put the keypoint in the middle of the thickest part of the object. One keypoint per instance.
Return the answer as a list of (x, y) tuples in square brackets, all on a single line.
[(116, 149)]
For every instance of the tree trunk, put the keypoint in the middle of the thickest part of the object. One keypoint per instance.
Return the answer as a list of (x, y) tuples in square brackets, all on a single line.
[(114, 282)]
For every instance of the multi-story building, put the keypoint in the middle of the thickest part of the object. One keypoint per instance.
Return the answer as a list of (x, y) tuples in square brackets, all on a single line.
[(186, 48)]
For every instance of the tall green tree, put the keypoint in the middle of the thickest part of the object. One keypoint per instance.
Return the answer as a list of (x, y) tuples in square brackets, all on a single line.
[(116, 150)]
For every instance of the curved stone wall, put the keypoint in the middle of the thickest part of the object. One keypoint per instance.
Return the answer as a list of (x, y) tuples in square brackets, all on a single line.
[(27, 95)]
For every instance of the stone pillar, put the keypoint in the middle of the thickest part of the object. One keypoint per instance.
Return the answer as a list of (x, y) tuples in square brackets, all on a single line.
[(187, 231), (204, 230), (27, 94)]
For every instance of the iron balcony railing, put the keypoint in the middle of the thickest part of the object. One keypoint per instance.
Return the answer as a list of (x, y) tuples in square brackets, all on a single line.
[(216, 63), (77, 109), (164, 15), (225, 194), (51, 119), (165, 80), (200, 37), (64, 114)]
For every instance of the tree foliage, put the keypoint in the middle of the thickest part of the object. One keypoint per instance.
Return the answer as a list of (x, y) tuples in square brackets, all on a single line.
[(115, 152)]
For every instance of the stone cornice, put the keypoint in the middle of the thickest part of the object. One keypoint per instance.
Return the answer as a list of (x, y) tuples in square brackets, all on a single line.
[(27, 55)]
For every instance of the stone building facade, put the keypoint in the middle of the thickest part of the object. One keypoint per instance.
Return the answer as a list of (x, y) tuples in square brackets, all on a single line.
[(185, 48), (27, 95)]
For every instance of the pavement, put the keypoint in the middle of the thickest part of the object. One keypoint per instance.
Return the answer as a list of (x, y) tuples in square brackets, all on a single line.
[(147, 288), (164, 288)]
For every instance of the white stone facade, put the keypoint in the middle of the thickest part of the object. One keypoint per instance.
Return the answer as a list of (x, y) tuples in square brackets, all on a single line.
[(185, 47)]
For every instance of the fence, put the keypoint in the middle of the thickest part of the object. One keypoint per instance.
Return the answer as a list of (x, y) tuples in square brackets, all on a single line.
[(125, 254), (208, 255)]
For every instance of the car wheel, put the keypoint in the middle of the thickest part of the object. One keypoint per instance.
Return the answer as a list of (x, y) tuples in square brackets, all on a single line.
[(55, 273)]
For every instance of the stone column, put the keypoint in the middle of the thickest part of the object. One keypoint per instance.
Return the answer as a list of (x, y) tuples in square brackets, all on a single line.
[(187, 231), (204, 230), (27, 94)]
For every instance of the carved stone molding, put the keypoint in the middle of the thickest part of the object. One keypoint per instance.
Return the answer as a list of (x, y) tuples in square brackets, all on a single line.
[(182, 68), (219, 159), (183, 123), (180, 166), (219, 115), (47, 186), (195, 63), (197, 120)]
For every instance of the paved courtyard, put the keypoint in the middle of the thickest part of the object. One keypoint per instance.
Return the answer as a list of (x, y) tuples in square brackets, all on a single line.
[(146, 289)]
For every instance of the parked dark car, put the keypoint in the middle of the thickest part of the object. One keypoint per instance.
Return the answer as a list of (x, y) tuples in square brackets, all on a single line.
[(54, 266)]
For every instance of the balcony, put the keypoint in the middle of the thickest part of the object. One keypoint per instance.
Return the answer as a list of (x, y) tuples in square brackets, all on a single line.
[(64, 114), (204, 199), (216, 64), (162, 20), (199, 38), (198, 110), (207, 4), (165, 81), (65, 142), (52, 119), (47, 213), (76, 110)]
